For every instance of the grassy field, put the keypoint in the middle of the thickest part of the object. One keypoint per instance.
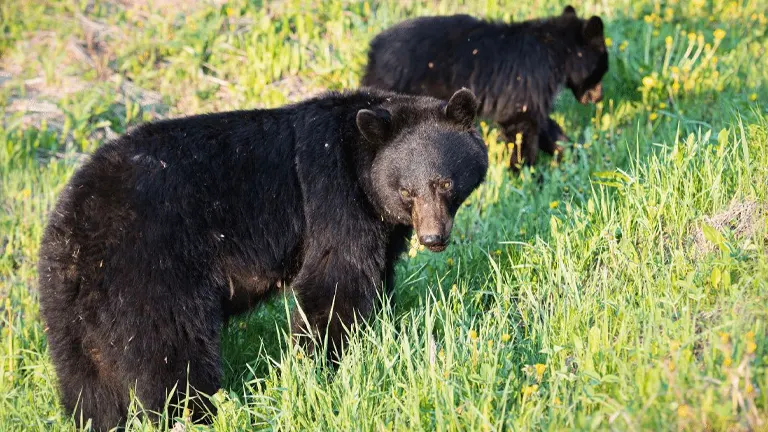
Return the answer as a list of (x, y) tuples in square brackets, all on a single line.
[(625, 288)]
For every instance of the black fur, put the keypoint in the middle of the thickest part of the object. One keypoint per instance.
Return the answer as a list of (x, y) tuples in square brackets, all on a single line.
[(177, 225), (515, 69)]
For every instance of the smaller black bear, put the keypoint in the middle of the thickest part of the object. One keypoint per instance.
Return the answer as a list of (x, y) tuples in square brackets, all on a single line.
[(515, 69), (177, 225)]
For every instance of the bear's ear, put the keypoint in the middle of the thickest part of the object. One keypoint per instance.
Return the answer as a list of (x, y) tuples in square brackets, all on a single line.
[(462, 108), (569, 10), (375, 124), (593, 28)]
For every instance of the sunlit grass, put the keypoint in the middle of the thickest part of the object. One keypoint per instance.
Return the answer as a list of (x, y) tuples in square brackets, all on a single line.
[(624, 288)]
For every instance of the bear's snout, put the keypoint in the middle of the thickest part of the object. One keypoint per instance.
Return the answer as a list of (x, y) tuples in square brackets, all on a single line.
[(432, 223), (593, 95)]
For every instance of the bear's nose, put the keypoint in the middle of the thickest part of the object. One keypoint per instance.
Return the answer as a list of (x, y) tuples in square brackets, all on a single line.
[(433, 241)]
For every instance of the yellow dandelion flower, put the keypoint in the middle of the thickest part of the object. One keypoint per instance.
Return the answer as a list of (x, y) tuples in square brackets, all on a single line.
[(472, 335), (299, 355), (554, 204), (653, 116), (648, 19), (683, 411), (691, 37), (655, 33), (700, 39), (707, 47), (540, 369), (449, 261), (688, 85), (714, 60), (608, 42), (727, 361), (623, 46), (750, 389), (725, 338), (529, 390), (557, 400), (649, 81), (753, 97), (497, 252), (505, 337), (490, 344), (675, 70), (751, 347), (668, 41), (662, 105), (750, 336), (719, 34), (675, 87)]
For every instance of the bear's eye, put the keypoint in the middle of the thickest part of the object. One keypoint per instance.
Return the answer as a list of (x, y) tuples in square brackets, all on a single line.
[(445, 185), (405, 193)]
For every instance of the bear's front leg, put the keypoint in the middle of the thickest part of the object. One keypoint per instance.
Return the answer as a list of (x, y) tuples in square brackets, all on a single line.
[(335, 291), (522, 130), (549, 137)]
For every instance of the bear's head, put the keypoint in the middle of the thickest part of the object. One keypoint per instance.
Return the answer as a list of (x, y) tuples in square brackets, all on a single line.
[(428, 158), (587, 62)]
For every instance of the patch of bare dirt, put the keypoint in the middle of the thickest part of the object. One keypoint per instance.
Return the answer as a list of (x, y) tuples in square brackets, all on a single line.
[(296, 89), (34, 95), (167, 5), (744, 219), (35, 98)]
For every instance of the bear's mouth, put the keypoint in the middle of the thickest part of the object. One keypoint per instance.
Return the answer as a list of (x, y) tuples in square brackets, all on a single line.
[(438, 247), (593, 95)]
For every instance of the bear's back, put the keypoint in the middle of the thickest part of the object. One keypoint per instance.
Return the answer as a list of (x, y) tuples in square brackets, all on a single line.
[(197, 186)]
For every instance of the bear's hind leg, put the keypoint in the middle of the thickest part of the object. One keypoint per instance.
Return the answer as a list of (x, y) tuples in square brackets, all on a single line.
[(522, 131), (178, 366), (89, 389)]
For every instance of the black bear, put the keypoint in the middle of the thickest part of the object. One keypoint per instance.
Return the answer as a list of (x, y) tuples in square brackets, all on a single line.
[(177, 225), (515, 69)]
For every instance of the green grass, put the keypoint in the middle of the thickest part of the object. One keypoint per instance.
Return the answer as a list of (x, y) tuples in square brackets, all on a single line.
[(624, 289)]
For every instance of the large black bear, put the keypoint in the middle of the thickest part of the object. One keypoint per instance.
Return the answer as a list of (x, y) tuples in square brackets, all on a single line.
[(173, 227), (515, 69)]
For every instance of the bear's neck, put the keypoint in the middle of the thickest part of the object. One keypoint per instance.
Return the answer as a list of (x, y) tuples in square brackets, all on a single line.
[(555, 46), (354, 152), (362, 158)]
